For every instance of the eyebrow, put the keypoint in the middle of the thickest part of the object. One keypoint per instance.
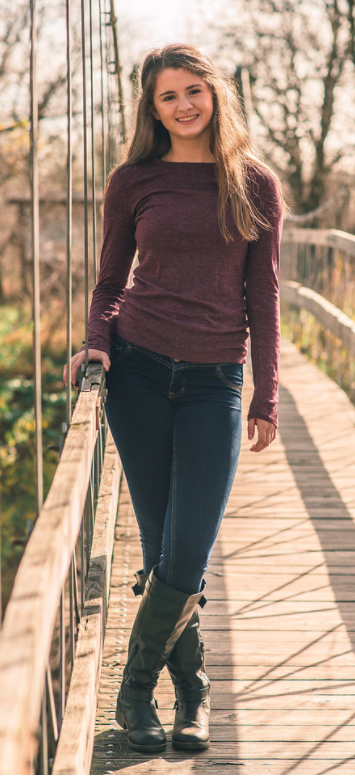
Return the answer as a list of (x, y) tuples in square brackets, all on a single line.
[(171, 91)]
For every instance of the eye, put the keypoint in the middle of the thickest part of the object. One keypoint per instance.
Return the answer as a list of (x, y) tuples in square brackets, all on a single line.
[(169, 97), (195, 91)]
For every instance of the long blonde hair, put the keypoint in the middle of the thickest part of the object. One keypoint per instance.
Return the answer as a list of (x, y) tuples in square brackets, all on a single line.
[(229, 140)]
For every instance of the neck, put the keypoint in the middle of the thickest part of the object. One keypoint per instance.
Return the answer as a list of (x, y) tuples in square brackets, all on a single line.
[(194, 150)]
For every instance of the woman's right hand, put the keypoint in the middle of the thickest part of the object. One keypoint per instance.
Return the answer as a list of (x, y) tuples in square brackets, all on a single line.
[(79, 358)]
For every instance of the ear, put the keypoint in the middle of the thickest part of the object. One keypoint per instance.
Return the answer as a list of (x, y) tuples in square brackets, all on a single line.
[(154, 112)]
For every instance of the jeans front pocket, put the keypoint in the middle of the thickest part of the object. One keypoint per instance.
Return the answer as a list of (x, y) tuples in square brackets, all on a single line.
[(120, 348), (231, 375)]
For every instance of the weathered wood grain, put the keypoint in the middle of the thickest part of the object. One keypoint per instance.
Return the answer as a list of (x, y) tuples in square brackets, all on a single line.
[(30, 616), (75, 745), (331, 317), (334, 238)]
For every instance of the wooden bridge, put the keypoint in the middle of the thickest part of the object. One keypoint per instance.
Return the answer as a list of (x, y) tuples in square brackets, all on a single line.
[(279, 626)]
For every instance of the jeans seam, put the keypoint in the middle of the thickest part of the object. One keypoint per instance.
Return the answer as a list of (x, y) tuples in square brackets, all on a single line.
[(172, 394), (173, 513), (226, 381)]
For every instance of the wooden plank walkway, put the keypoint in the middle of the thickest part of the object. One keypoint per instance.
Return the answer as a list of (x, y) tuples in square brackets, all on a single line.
[(279, 626)]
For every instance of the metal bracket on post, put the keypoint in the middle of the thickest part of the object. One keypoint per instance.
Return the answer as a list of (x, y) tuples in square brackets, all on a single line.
[(94, 376), (99, 411)]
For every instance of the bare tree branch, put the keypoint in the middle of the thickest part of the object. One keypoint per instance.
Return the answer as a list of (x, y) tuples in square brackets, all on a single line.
[(296, 54)]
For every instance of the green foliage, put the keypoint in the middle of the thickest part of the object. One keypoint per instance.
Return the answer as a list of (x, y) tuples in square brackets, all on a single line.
[(17, 431)]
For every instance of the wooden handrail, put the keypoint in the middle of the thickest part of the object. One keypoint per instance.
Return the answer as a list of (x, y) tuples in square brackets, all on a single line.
[(324, 311), (25, 638), (76, 741), (331, 238)]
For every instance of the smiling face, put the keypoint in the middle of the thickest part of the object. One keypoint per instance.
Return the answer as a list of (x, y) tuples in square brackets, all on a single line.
[(183, 102)]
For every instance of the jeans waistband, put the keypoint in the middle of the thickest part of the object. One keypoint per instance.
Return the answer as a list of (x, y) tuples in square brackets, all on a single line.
[(169, 361)]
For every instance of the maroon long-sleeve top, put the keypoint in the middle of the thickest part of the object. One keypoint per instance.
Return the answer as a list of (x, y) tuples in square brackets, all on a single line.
[(194, 297)]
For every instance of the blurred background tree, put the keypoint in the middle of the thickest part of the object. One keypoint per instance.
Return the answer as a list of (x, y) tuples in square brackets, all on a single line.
[(301, 61)]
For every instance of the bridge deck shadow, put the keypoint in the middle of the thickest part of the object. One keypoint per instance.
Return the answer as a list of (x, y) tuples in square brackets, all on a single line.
[(279, 626)]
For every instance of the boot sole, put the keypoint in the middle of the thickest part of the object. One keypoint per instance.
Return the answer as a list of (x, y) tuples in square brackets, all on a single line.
[(190, 745), (147, 748)]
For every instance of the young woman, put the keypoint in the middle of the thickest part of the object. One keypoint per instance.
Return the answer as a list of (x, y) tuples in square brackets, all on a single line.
[(205, 214)]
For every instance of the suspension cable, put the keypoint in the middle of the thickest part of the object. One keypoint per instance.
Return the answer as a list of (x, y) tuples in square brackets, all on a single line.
[(69, 207), (121, 107), (108, 91), (86, 228), (103, 144), (35, 258), (93, 185)]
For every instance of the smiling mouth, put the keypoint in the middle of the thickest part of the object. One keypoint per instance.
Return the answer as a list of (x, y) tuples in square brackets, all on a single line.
[(187, 119)]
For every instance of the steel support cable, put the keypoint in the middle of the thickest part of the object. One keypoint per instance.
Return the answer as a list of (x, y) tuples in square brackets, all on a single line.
[(108, 91), (113, 20), (113, 95), (69, 225), (36, 314), (93, 182), (85, 153), (73, 592), (103, 140), (61, 660), (35, 260), (103, 144)]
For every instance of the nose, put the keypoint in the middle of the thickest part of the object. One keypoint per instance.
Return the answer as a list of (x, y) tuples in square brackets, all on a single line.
[(184, 103)]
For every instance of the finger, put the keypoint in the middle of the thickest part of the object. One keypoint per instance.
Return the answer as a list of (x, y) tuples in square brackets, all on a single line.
[(74, 375), (77, 360), (272, 435), (262, 441), (258, 446), (106, 362), (66, 373), (251, 428)]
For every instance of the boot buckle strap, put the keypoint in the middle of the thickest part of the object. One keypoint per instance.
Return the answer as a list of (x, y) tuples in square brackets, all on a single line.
[(136, 694), (183, 694)]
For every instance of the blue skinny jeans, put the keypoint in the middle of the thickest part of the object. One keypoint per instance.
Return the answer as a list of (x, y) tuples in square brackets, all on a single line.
[(177, 428)]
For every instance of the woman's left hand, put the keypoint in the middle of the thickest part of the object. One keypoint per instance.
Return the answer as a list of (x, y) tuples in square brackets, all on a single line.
[(266, 433)]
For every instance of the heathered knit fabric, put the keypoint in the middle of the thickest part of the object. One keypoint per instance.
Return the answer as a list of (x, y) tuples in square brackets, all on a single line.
[(194, 297)]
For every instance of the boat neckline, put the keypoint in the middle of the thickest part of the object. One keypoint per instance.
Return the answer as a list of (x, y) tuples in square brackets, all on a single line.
[(169, 162)]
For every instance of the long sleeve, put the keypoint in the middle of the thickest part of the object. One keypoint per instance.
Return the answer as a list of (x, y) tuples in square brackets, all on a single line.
[(263, 307), (118, 249)]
